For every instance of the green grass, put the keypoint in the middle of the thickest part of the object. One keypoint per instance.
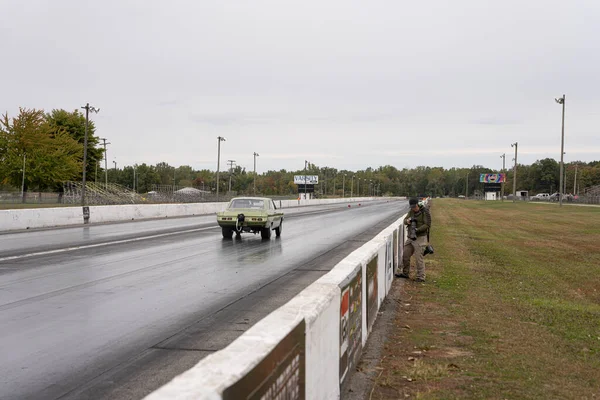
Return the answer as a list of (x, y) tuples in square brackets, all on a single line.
[(516, 286)]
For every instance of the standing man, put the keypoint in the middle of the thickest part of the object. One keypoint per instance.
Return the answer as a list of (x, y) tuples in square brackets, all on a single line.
[(420, 214)]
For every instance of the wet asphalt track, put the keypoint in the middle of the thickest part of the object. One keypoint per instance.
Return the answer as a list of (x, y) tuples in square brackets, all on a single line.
[(116, 316)]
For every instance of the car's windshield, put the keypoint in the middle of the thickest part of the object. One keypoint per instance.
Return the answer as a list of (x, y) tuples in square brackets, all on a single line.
[(247, 203)]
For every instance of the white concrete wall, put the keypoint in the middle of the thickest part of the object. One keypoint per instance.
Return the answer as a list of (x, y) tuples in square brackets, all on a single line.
[(11, 220), (319, 306)]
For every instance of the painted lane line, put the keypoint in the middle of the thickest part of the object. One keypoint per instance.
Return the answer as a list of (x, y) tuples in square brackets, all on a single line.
[(89, 246)]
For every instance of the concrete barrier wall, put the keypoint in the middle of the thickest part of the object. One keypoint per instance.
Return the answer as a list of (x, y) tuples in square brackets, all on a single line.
[(65, 216), (306, 348)]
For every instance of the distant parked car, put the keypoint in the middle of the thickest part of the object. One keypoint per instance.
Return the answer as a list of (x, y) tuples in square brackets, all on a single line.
[(251, 214), (541, 197)]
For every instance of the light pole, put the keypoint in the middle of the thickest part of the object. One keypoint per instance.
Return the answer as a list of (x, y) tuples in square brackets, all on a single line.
[(105, 164), (87, 108), (255, 155), (575, 181), (562, 101), (220, 139), (352, 187), (516, 146), (344, 186), (305, 167), (503, 157), (467, 187), (23, 183), (231, 162), (358, 186)]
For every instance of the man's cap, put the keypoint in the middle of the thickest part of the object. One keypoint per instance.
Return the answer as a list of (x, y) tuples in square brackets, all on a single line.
[(413, 202)]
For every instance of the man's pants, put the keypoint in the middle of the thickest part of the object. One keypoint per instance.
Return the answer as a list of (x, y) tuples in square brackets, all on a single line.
[(414, 247)]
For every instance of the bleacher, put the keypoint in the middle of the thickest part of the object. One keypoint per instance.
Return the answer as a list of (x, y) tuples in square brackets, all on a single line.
[(99, 194)]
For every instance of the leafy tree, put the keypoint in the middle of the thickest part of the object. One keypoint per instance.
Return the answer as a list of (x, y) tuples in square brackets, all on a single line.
[(51, 155), (73, 123)]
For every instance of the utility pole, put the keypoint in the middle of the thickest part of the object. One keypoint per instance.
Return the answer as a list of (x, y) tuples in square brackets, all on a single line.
[(467, 187), (503, 157), (231, 162), (105, 164), (516, 146), (255, 155), (134, 179), (562, 101), (88, 108), (352, 187), (220, 139), (344, 185)]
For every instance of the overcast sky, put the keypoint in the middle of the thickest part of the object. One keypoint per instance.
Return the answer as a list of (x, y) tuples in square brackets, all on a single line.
[(345, 84)]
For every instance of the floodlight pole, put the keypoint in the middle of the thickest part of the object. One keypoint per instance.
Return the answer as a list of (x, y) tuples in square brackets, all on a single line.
[(516, 146), (503, 157), (305, 167), (561, 100), (220, 139), (255, 155), (88, 108)]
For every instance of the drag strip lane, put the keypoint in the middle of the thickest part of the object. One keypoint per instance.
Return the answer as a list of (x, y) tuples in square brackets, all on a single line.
[(70, 318)]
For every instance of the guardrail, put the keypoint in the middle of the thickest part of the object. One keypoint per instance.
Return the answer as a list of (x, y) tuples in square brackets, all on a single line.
[(307, 348), (21, 219)]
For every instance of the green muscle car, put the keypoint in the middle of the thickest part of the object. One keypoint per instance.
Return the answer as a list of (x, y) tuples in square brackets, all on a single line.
[(250, 214)]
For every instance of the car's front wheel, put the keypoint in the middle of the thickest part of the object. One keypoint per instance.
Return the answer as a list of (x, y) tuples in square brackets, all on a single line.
[(227, 232), (279, 229)]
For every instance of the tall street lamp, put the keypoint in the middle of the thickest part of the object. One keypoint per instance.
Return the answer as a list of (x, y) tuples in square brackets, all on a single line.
[(255, 155), (220, 139), (305, 167), (516, 146), (344, 185), (88, 108), (561, 100), (503, 157), (352, 186)]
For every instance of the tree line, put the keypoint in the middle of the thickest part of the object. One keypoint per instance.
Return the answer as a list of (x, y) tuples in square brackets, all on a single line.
[(50, 146)]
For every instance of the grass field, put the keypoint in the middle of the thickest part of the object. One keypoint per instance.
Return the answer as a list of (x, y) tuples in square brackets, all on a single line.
[(510, 309)]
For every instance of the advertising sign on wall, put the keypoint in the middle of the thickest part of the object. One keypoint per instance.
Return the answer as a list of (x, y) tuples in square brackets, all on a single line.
[(350, 324), (310, 179), (396, 259), (372, 292), (280, 375), (389, 263), (492, 178)]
